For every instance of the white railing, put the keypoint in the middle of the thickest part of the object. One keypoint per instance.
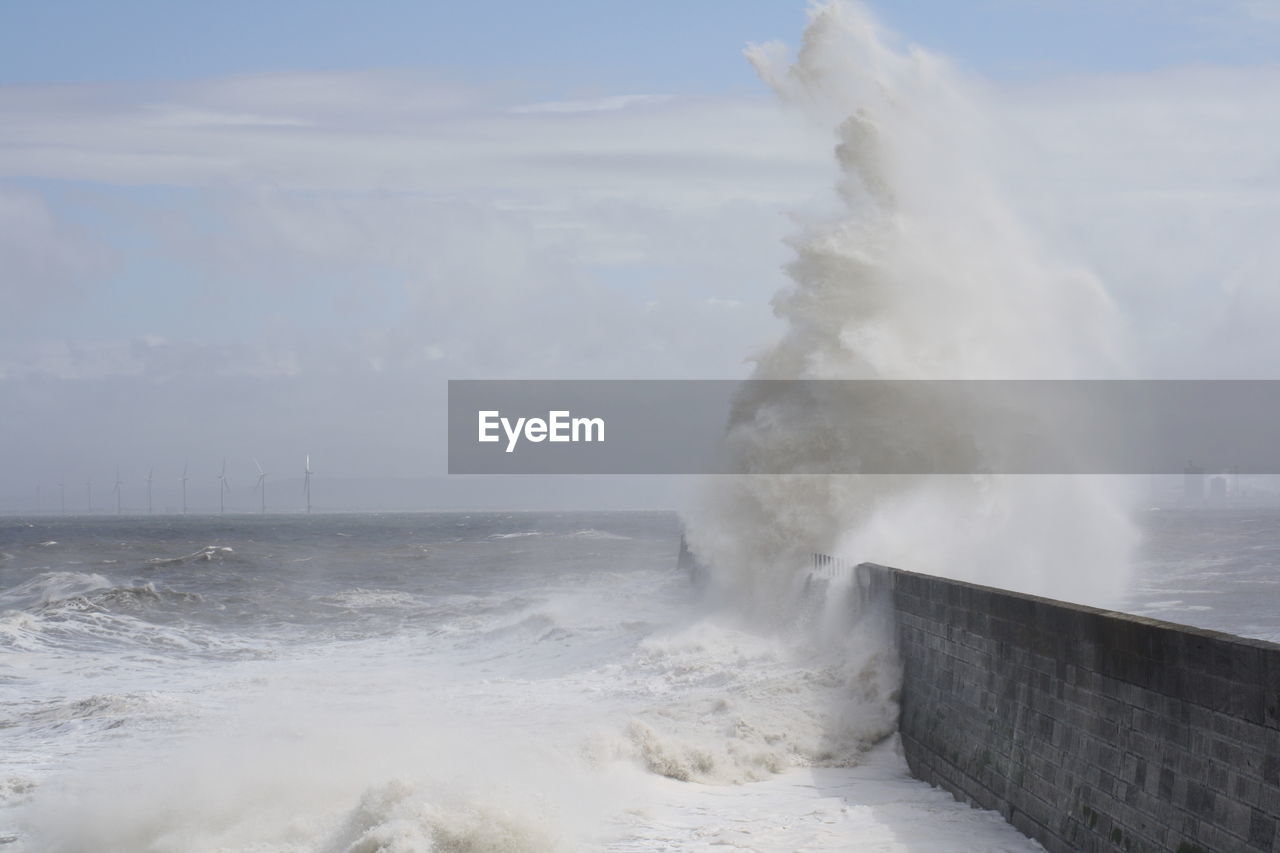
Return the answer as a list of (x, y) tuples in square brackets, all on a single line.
[(827, 566)]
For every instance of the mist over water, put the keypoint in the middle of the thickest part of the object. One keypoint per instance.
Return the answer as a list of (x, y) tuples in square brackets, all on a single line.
[(924, 270)]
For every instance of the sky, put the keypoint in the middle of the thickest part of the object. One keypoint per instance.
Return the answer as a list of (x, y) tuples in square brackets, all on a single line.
[(258, 231)]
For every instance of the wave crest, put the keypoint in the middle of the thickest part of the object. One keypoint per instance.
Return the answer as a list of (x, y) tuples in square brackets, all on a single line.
[(393, 818)]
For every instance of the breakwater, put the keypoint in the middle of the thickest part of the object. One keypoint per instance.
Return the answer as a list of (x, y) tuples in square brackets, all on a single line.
[(1088, 730)]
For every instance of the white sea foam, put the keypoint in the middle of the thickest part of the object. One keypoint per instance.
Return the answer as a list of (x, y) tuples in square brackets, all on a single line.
[(204, 555), (597, 534), (384, 599), (531, 735), (873, 806), (724, 704)]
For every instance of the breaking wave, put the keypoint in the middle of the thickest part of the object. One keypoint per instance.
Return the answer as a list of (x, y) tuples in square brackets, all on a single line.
[(206, 554), (592, 533), (394, 818), (730, 706), (72, 591), (925, 269)]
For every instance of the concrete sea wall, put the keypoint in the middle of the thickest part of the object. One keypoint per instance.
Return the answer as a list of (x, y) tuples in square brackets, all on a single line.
[(1088, 730)]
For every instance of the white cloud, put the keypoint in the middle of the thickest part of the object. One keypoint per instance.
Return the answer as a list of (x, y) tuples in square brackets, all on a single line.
[(164, 115), (379, 132), (615, 102), (43, 262), (1168, 184), (348, 241)]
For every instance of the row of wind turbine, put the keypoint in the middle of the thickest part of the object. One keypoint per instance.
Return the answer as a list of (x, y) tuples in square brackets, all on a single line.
[(224, 488)]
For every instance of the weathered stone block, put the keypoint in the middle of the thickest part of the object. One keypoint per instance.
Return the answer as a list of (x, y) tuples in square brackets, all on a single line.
[(1089, 730)]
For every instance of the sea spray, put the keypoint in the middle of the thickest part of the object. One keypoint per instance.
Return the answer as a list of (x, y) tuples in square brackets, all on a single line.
[(735, 701), (925, 271)]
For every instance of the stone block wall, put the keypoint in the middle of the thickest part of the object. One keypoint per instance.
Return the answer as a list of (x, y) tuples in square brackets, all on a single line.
[(1088, 730)]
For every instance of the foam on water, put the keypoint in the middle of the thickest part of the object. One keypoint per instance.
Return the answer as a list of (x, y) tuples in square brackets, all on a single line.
[(205, 554), (547, 707)]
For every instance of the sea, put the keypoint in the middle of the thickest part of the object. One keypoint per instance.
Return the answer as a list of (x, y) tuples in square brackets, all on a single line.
[(474, 682)]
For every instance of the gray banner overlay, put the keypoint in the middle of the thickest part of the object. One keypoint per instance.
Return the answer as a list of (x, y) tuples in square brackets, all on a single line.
[(863, 426)]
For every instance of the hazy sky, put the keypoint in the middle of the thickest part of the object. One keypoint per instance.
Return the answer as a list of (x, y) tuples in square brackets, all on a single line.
[(245, 229)]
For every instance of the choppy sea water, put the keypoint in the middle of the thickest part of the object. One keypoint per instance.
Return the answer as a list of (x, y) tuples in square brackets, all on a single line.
[(466, 682), (1216, 568)]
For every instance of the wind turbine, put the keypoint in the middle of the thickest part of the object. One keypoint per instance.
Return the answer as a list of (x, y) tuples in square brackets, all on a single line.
[(116, 489), (88, 489), (261, 484), (306, 483), (62, 497), (149, 473), (184, 487), (37, 500), (223, 488)]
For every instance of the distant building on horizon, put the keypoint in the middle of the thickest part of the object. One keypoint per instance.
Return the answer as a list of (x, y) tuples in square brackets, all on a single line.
[(1218, 488), (1193, 482)]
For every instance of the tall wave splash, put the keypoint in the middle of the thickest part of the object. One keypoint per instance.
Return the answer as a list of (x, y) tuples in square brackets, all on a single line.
[(925, 270)]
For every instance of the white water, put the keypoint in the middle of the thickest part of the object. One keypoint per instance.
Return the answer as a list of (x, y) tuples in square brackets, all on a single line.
[(924, 270), (434, 683)]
